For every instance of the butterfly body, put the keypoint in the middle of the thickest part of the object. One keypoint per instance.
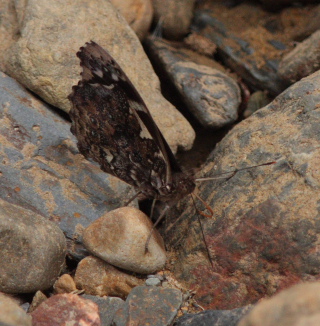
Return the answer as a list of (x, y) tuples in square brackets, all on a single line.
[(114, 128)]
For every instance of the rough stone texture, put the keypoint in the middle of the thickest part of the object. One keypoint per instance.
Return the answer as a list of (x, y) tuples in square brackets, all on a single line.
[(44, 58), (302, 61), (296, 306), (41, 168), (148, 305), (264, 233), (37, 299), (66, 309), (173, 16), (11, 314), (108, 306), (138, 14), (119, 238), (97, 277), (64, 284), (32, 250), (209, 94), (9, 28), (257, 100), (241, 52), (214, 317)]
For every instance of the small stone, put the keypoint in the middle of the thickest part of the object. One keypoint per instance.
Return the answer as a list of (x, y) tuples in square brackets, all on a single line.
[(66, 309), (97, 277), (149, 305), (33, 250), (64, 284), (11, 314), (38, 298), (296, 306), (153, 282), (138, 14), (119, 238), (108, 306)]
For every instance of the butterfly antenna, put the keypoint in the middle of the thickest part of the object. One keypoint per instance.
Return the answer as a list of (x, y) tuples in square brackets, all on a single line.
[(201, 228), (232, 172)]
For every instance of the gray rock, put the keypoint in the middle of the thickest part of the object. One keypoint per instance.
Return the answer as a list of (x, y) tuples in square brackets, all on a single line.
[(149, 305), (108, 306), (33, 250), (214, 317), (153, 281), (11, 314), (41, 168), (303, 60), (296, 306), (263, 235), (119, 238), (44, 58)]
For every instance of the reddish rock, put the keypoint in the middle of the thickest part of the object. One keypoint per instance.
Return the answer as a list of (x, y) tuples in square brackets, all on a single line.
[(66, 309)]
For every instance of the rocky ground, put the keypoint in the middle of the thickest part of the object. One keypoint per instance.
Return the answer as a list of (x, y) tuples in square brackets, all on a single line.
[(231, 84)]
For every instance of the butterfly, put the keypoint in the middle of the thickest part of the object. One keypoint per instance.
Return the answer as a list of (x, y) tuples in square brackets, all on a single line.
[(114, 128)]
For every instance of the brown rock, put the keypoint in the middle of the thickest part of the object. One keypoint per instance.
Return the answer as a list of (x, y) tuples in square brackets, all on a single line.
[(263, 236), (296, 306), (138, 14), (37, 299), (119, 238), (66, 309), (302, 61), (64, 284), (33, 250), (97, 277), (11, 314), (44, 58), (174, 16)]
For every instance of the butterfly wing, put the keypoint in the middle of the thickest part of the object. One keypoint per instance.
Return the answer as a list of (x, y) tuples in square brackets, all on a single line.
[(113, 125)]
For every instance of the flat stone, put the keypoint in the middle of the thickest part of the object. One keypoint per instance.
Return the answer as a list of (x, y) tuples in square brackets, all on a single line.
[(149, 305), (96, 277)]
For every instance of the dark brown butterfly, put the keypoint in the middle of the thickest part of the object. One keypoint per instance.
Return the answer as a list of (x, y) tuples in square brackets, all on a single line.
[(114, 128)]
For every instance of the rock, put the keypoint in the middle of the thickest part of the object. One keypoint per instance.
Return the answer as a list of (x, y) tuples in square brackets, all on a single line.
[(214, 317), (302, 61), (32, 257), (149, 305), (97, 277), (174, 17), (209, 94), (9, 28), (153, 281), (138, 14), (296, 306), (66, 309), (250, 50), (12, 314), (42, 170), (262, 236), (108, 306), (44, 58), (64, 284), (256, 101), (119, 238), (37, 299)]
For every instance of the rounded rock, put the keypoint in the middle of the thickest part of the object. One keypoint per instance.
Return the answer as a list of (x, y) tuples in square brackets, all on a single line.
[(33, 250), (119, 238)]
